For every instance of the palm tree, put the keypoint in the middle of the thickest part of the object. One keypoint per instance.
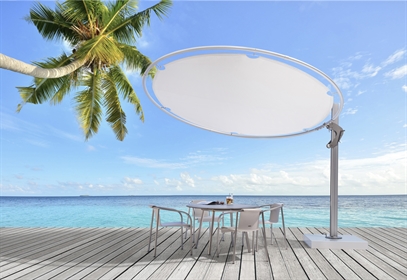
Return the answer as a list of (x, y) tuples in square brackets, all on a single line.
[(103, 35)]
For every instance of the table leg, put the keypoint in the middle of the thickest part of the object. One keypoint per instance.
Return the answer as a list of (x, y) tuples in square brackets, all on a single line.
[(199, 230), (211, 232)]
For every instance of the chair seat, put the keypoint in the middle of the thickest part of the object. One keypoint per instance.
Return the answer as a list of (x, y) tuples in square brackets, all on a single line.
[(207, 219), (175, 224), (227, 229)]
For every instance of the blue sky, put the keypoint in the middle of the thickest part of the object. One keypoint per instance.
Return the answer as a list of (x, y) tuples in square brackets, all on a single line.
[(361, 45)]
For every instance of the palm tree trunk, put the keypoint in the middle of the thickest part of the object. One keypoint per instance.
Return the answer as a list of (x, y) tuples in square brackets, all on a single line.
[(18, 66)]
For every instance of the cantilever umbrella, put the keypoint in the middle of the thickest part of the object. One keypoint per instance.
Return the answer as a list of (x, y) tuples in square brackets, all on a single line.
[(253, 93)]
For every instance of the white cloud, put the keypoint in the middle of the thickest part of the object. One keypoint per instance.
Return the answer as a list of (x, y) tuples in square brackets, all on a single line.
[(192, 159), (172, 183), (152, 163), (404, 88), (187, 179), (397, 73), (90, 148), (396, 56), (142, 43), (371, 70), (347, 75), (374, 175), (136, 181), (350, 111)]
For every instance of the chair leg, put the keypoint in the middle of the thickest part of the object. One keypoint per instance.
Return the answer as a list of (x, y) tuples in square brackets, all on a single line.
[(285, 236), (217, 241), (156, 233), (247, 241), (151, 232), (182, 240), (271, 233), (192, 238), (253, 242), (257, 241)]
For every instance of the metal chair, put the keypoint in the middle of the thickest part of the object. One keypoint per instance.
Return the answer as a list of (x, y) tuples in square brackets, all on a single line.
[(156, 213), (197, 214), (275, 210), (207, 218), (248, 222)]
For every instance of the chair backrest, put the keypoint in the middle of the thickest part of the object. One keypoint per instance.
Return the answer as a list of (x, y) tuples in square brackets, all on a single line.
[(249, 219), (275, 212), (198, 212)]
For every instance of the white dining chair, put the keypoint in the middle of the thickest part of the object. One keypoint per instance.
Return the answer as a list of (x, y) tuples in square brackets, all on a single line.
[(274, 211), (197, 214), (247, 221), (185, 222), (207, 218)]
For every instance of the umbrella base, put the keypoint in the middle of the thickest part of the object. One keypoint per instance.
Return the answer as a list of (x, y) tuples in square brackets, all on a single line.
[(345, 242)]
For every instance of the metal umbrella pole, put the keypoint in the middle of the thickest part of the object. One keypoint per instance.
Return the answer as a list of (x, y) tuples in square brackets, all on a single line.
[(336, 135)]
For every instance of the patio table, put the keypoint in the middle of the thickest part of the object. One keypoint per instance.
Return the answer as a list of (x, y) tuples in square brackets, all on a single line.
[(221, 208)]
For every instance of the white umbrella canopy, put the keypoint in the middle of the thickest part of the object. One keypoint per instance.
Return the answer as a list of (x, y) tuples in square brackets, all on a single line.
[(254, 93), (242, 94)]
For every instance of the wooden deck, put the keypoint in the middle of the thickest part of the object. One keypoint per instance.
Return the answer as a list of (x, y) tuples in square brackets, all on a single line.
[(121, 253)]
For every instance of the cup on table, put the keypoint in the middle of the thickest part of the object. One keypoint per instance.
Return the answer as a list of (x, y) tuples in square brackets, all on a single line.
[(229, 200)]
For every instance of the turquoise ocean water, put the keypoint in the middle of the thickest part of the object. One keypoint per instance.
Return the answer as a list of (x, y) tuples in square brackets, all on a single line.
[(133, 211)]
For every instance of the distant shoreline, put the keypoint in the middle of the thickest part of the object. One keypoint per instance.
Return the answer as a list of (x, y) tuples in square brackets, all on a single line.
[(203, 195)]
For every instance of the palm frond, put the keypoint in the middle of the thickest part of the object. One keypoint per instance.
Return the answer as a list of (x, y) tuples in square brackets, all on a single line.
[(50, 24), (118, 12), (135, 60), (88, 104), (126, 90), (102, 49), (138, 20), (115, 114), (84, 11), (48, 89)]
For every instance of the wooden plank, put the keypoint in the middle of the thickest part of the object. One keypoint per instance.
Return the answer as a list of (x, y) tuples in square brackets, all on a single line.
[(353, 265), (262, 259), (380, 243), (397, 264), (247, 266), (291, 262), (138, 240), (37, 266), (39, 251), (392, 233), (318, 259), (29, 239), (232, 270), (9, 236), (277, 266), (169, 258), (98, 258), (206, 266), (146, 260), (309, 266), (136, 257), (122, 253), (373, 264), (337, 263), (388, 234), (68, 260)]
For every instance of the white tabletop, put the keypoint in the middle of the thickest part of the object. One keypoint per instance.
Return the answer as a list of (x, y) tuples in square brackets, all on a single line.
[(222, 207)]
